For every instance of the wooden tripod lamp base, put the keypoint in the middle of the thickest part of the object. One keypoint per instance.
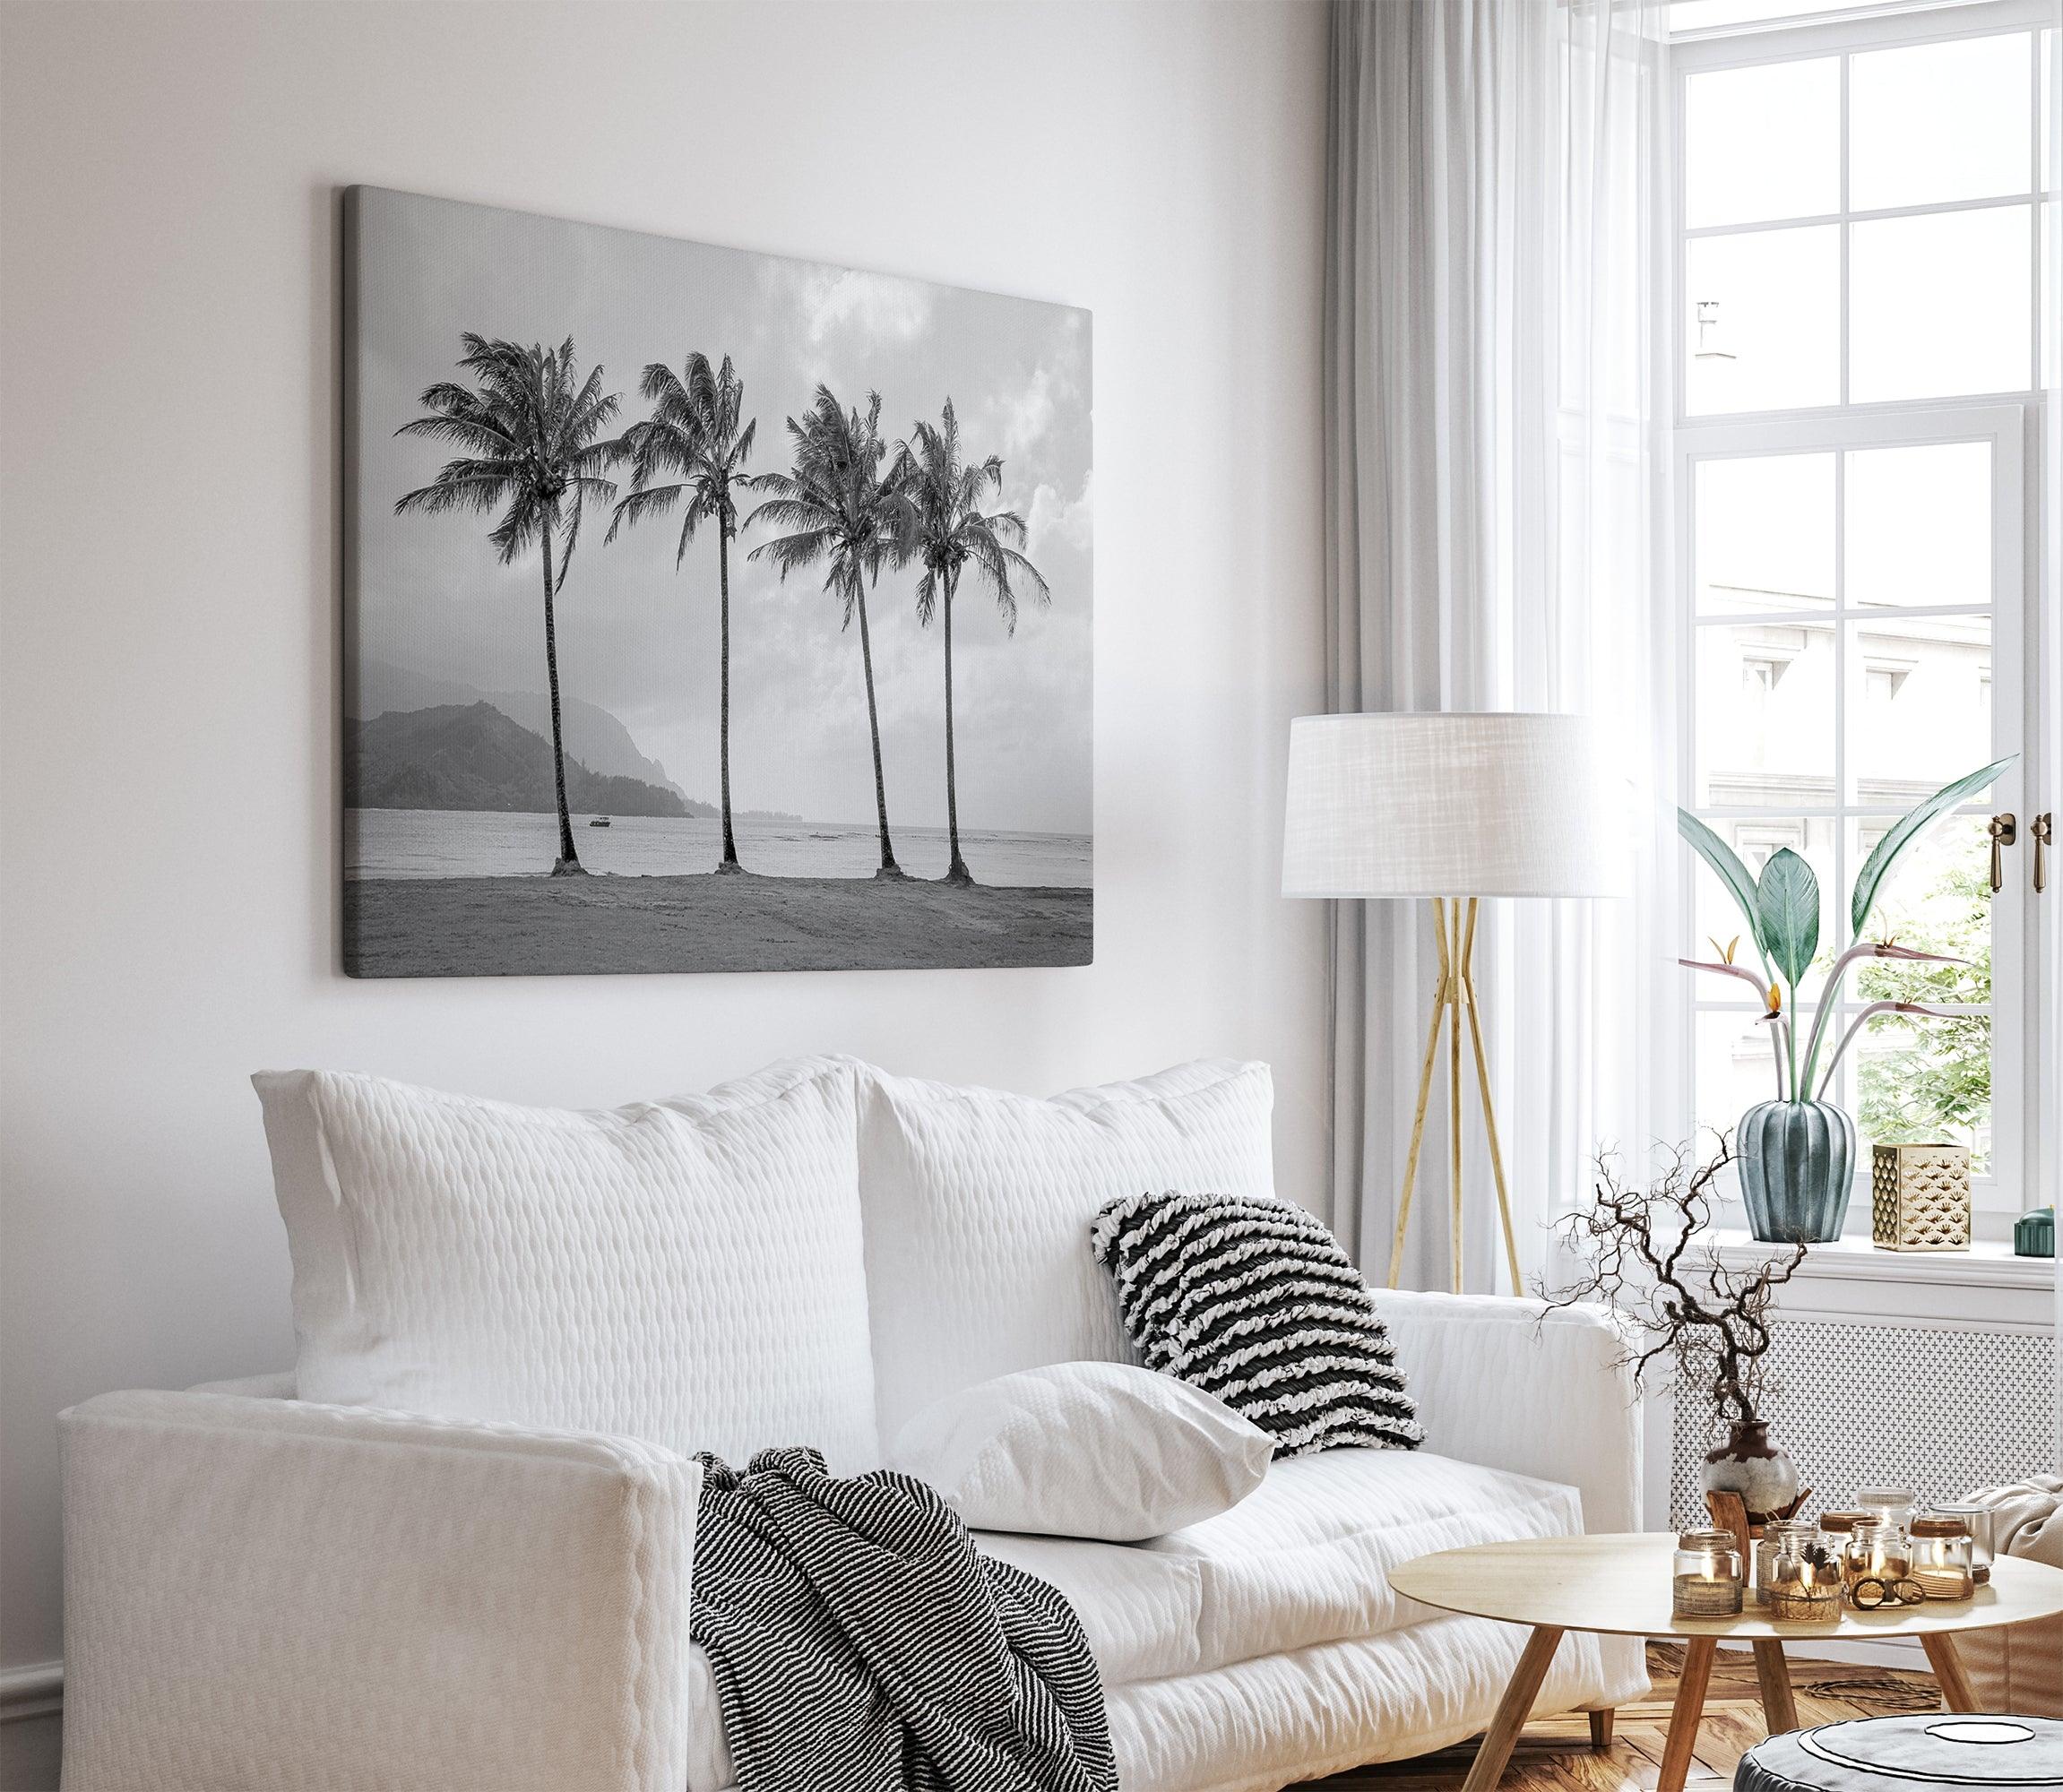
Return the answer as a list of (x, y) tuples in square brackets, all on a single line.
[(1454, 996)]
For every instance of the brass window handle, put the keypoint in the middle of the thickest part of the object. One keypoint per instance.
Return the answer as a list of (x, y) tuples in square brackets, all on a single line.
[(2040, 828), (2004, 831)]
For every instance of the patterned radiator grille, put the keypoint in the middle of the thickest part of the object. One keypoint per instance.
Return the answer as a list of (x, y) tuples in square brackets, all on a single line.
[(1940, 1412)]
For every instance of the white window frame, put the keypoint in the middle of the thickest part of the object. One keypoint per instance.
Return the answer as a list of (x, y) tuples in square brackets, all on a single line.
[(2023, 1004)]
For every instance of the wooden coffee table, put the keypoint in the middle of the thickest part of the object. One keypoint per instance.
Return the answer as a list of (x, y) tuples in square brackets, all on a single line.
[(1619, 1586)]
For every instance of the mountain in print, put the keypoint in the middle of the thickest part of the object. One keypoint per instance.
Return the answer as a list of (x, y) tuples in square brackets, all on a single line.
[(471, 756), (593, 734)]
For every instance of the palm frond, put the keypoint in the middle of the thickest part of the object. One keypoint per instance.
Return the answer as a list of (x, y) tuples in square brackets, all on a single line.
[(797, 549), (458, 483), (640, 503), (533, 424)]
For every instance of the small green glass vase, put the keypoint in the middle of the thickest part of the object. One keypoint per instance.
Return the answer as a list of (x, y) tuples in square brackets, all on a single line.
[(1796, 1161)]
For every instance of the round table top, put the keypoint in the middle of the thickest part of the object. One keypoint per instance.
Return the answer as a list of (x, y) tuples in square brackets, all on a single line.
[(1621, 1585)]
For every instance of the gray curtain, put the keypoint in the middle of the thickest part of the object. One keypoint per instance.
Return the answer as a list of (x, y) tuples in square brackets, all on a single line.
[(1488, 547)]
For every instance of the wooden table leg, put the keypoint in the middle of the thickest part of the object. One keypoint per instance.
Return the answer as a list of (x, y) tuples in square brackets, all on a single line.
[(1681, 1748), (1772, 1677), (1947, 1665), (1601, 1729), (1513, 1709)]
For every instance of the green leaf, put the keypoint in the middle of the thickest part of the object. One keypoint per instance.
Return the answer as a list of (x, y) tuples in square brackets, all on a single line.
[(1916, 821), (1724, 861), (1787, 913)]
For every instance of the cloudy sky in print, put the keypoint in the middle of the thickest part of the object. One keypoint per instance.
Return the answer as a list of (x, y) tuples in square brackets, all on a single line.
[(640, 638)]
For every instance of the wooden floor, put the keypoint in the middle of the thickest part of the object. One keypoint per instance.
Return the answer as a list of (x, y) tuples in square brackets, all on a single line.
[(1555, 1756)]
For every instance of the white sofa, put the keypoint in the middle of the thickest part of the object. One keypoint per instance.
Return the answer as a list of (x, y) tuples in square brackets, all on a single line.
[(262, 1591)]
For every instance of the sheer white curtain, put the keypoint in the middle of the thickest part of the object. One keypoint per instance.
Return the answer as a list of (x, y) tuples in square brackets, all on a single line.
[(1492, 546)]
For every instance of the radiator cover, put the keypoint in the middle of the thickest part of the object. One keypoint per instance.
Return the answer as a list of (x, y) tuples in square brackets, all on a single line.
[(1863, 1403)]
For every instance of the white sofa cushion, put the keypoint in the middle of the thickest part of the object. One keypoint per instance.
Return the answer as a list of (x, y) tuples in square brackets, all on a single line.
[(1302, 1561), (1095, 1449), (1305, 1559), (979, 1205), (1141, 1614), (687, 1271)]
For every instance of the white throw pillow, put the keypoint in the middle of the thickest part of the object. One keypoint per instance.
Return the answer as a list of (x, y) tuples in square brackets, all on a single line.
[(979, 1205), (1100, 1450), (687, 1271)]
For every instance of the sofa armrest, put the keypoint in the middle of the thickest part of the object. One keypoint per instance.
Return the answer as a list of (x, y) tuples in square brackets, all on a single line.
[(279, 1385), (260, 1592), (1511, 1383)]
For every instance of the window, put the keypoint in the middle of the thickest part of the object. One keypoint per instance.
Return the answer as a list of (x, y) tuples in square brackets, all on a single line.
[(1858, 356)]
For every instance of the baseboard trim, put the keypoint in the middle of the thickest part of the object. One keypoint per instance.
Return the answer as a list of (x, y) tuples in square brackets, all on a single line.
[(34, 1691)]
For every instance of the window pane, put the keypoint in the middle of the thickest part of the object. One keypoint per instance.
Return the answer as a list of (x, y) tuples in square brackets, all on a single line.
[(1919, 525), (1939, 121), (1937, 901), (1919, 705), (1939, 305), (1736, 1067), (1764, 533), (1718, 919), (1765, 715), (1923, 1081), (1762, 143), (1762, 328)]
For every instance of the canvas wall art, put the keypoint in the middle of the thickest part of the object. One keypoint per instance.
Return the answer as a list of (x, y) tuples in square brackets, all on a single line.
[(705, 610)]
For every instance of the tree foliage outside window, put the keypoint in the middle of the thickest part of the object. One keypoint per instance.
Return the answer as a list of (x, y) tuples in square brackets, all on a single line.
[(1925, 1085)]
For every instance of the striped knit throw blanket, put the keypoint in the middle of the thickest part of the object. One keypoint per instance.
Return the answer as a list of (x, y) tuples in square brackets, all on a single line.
[(861, 1644), (1254, 1301)]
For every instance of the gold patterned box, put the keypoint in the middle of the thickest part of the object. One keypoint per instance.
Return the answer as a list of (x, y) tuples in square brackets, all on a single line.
[(1919, 1197)]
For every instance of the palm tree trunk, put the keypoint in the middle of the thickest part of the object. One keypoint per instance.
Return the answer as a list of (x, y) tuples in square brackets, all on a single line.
[(730, 861), (568, 863), (889, 868), (957, 871)]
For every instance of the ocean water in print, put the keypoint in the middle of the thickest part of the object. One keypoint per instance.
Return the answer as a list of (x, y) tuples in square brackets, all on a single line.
[(424, 843)]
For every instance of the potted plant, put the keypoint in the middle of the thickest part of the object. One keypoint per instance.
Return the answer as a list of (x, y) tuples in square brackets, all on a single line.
[(1652, 1255), (1797, 1152)]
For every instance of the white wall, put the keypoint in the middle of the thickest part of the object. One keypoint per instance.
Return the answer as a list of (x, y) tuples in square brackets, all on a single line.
[(168, 550)]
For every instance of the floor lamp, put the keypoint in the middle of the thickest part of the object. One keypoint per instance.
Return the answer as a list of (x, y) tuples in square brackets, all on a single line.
[(1453, 808)]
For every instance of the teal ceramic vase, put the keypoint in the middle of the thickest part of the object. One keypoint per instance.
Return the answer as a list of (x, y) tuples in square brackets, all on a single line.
[(1796, 1161)]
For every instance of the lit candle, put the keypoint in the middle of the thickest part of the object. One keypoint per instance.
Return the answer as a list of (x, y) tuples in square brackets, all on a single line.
[(1708, 1579)]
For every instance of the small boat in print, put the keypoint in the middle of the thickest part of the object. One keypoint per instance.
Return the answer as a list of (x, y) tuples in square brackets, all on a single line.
[(598, 821)]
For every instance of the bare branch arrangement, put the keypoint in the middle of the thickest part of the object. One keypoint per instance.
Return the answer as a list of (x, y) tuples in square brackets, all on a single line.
[(1648, 1251)]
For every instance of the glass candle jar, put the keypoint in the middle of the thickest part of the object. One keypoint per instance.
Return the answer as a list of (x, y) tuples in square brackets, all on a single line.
[(1769, 1545), (1978, 1521), (1887, 1505), (1839, 1526), (1942, 1556), (1804, 1578), (1708, 1575), (1877, 1565)]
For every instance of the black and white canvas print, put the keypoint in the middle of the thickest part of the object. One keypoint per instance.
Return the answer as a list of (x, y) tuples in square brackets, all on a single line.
[(705, 610)]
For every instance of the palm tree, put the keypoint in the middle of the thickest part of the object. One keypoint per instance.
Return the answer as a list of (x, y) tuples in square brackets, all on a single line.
[(529, 430), (838, 508), (693, 432), (949, 531)]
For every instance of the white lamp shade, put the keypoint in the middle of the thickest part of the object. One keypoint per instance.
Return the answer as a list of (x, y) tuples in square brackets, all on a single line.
[(1441, 805)]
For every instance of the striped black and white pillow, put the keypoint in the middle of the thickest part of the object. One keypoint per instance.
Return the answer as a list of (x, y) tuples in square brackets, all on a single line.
[(1254, 1301)]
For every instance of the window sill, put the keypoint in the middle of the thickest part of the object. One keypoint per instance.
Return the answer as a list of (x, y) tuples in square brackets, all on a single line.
[(1856, 1259), (1985, 1288)]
